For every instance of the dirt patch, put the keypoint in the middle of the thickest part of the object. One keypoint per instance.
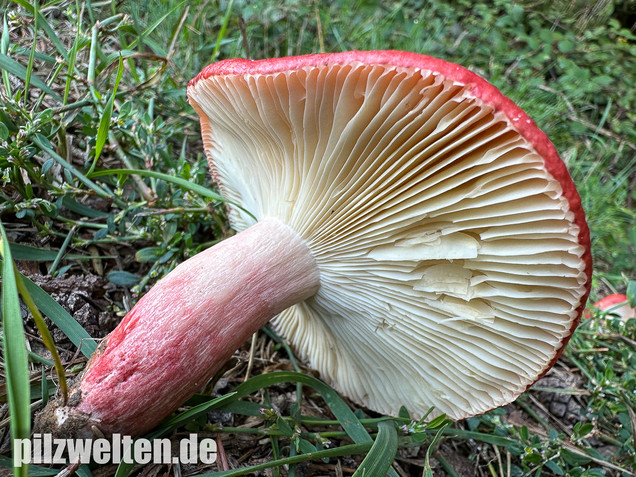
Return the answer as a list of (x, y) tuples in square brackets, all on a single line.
[(89, 299)]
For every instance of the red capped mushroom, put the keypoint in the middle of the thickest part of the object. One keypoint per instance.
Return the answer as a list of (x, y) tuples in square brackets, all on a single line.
[(615, 304), (418, 240)]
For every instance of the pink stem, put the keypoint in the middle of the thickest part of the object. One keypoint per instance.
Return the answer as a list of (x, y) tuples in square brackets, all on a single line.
[(189, 324)]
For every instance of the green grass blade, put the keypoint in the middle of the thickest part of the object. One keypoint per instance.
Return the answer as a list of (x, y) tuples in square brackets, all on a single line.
[(15, 353), (112, 57), (352, 449), (15, 68), (80, 209), (631, 297), (221, 35), (34, 470), (104, 123), (29, 69), (72, 57), (182, 418), (58, 315), (35, 254), (513, 445), (428, 471), (39, 141), (203, 191), (47, 339), (61, 251), (445, 465), (4, 49), (347, 419), (379, 459), (92, 61), (39, 56), (244, 407)]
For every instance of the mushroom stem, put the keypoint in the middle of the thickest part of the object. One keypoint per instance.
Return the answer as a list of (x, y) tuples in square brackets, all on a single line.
[(185, 328)]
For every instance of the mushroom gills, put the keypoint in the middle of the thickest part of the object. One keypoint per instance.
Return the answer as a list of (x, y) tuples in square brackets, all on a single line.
[(450, 256)]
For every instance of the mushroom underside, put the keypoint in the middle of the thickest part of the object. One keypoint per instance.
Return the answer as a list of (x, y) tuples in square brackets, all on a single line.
[(451, 266)]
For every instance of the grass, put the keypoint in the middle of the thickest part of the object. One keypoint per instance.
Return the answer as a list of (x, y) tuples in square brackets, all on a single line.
[(93, 86)]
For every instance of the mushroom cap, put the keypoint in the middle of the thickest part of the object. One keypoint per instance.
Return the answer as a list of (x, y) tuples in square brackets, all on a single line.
[(452, 247), (616, 304)]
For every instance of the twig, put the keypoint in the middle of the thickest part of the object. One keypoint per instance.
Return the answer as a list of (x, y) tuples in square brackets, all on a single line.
[(69, 470), (184, 16), (499, 461), (321, 40), (559, 424), (223, 463), (627, 340), (250, 362), (243, 28), (458, 41), (575, 117)]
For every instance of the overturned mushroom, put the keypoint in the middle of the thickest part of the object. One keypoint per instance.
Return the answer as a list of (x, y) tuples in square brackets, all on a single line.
[(419, 242)]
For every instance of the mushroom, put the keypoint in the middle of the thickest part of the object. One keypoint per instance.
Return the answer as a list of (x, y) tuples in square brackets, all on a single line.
[(616, 305), (414, 236)]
